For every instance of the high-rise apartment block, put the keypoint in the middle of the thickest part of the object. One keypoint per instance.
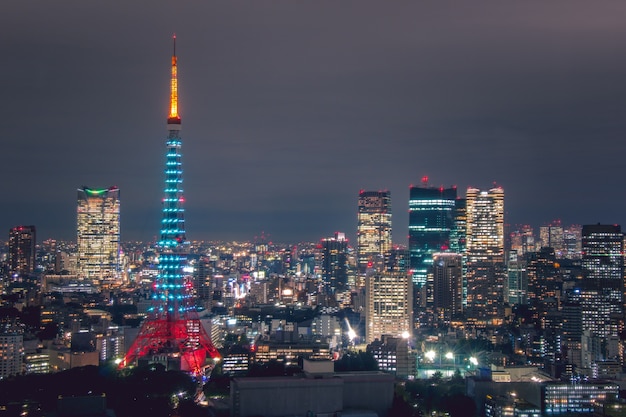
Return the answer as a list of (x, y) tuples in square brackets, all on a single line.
[(11, 348), (22, 245), (485, 252), (98, 227), (373, 230), (389, 305)]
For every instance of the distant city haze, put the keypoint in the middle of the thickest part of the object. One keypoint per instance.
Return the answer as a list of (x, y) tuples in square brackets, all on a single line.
[(289, 109)]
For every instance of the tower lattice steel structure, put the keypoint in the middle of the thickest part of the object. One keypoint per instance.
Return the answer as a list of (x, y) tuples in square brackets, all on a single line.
[(172, 331)]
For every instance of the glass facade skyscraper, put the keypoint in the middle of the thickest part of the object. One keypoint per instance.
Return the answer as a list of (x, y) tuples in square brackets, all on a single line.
[(98, 233), (432, 214)]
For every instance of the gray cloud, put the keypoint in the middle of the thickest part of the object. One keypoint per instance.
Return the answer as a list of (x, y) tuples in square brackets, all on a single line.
[(289, 108)]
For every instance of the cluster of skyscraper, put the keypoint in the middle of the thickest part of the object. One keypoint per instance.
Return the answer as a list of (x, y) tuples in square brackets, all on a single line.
[(455, 258), (461, 268)]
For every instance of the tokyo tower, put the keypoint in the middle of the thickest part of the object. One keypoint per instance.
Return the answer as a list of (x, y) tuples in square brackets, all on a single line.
[(172, 331)]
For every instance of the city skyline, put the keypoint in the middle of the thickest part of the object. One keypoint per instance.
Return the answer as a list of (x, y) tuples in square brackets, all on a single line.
[(285, 122)]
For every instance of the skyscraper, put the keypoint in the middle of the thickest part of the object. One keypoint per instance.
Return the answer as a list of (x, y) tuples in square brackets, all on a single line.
[(572, 241), (517, 279), (373, 230), (22, 243), (485, 252), (388, 305), (172, 332), (432, 213), (334, 263), (447, 285), (98, 233), (551, 236), (603, 256), (544, 278)]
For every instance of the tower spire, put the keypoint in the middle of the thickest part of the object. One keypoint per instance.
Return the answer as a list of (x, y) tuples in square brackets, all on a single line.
[(174, 118)]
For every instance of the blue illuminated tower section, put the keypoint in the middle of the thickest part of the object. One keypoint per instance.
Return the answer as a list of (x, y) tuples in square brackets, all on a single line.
[(172, 331), (171, 293)]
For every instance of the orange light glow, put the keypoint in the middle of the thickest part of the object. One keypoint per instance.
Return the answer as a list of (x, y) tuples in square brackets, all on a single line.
[(174, 86)]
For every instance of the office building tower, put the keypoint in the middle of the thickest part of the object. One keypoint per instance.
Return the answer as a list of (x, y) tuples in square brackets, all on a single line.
[(98, 237), (567, 399), (603, 269), (594, 318), (458, 239), (523, 240), (572, 241), (399, 259), (551, 236), (394, 355), (373, 230), (485, 253), (432, 213), (172, 333), (517, 283), (601, 307), (544, 276), (596, 300), (334, 263), (22, 244), (388, 306), (447, 285), (572, 328), (202, 283), (603, 252)]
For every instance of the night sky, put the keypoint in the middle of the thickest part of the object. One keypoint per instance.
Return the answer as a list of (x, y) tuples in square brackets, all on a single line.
[(289, 108)]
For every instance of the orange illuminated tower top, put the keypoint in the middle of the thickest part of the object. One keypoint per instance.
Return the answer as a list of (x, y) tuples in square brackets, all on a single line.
[(174, 118)]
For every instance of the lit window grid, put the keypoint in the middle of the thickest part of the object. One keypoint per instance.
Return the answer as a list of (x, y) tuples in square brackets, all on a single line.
[(579, 398), (98, 234), (388, 305), (373, 226)]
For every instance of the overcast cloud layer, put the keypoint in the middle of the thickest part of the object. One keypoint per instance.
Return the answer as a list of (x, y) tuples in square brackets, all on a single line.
[(289, 108)]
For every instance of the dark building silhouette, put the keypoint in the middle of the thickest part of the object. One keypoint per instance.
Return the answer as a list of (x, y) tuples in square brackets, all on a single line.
[(22, 243), (334, 263)]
